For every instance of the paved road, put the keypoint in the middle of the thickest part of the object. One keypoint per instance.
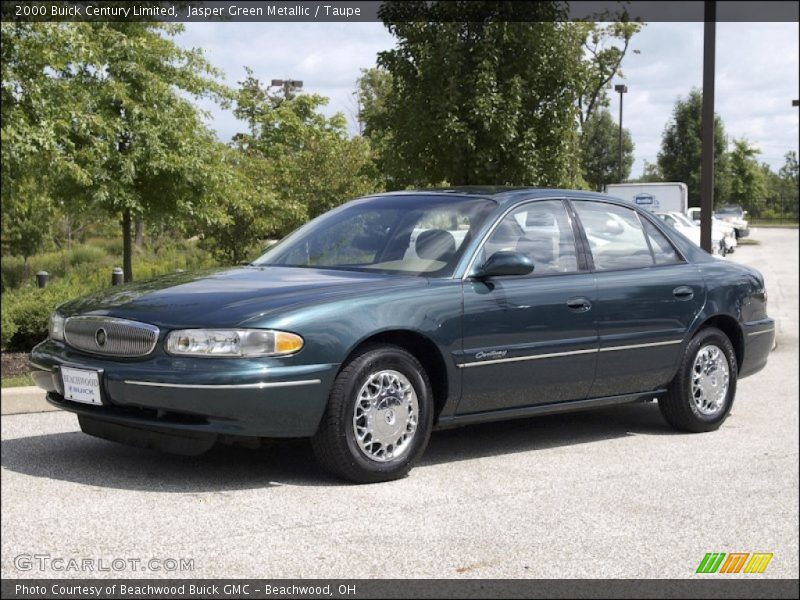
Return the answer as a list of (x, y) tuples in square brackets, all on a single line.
[(610, 493)]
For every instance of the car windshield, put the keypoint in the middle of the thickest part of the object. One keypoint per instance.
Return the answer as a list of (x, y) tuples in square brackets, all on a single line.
[(668, 219), (682, 219), (410, 235), (732, 211)]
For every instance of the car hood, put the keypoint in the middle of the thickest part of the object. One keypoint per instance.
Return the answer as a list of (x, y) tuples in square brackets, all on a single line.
[(226, 298)]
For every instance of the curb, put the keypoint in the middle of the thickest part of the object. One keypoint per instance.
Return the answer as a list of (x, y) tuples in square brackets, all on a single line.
[(23, 400)]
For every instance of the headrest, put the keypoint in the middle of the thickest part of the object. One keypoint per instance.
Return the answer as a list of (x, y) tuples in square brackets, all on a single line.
[(539, 249), (436, 244)]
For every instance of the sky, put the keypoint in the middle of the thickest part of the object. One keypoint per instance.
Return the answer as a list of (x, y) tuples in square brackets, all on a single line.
[(756, 80)]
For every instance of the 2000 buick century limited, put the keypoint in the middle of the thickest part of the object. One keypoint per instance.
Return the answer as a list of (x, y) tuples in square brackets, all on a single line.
[(397, 313)]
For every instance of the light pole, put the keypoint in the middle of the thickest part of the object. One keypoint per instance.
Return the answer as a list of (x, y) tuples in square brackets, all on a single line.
[(622, 89), (288, 85), (707, 153), (795, 102)]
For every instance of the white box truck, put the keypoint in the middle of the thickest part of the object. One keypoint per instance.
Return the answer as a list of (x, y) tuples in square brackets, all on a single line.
[(655, 197)]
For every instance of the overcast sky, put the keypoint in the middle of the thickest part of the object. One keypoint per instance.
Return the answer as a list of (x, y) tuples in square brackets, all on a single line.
[(757, 73)]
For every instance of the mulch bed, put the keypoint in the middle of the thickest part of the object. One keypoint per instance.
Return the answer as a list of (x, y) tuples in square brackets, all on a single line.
[(14, 363)]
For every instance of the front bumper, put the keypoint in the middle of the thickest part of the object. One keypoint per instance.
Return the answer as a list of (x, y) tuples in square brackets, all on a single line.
[(242, 397)]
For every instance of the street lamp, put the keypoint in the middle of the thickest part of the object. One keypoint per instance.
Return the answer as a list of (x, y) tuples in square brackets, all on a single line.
[(622, 89), (795, 102), (288, 85)]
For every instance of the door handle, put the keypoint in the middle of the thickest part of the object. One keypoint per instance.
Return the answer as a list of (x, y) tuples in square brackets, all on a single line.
[(683, 292), (579, 304)]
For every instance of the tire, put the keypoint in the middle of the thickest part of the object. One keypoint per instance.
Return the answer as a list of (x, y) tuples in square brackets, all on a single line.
[(699, 405), (349, 439)]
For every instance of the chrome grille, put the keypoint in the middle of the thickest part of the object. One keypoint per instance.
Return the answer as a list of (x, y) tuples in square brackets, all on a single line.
[(109, 336)]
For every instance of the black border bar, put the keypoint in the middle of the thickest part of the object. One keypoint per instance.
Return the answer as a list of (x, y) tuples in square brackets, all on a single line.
[(712, 586), (354, 11)]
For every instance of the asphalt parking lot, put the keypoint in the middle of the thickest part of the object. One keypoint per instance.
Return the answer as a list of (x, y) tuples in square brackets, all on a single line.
[(608, 493)]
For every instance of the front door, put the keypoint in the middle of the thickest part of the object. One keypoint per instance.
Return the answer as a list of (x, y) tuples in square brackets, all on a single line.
[(529, 340)]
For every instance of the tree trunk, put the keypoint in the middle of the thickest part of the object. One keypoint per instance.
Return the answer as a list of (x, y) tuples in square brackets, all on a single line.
[(127, 264), (139, 232)]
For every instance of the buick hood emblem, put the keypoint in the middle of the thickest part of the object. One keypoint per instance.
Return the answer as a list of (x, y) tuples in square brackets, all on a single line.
[(100, 337)]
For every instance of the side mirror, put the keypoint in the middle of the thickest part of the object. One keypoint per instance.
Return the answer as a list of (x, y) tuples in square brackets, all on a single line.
[(504, 264)]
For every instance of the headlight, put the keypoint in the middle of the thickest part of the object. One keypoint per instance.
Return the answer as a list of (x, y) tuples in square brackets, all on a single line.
[(56, 328), (232, 342)]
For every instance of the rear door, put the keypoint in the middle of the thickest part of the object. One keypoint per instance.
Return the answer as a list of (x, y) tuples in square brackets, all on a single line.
[(647, 298)]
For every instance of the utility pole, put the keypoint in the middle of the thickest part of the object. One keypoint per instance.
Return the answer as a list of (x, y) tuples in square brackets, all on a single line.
[(707, 163)]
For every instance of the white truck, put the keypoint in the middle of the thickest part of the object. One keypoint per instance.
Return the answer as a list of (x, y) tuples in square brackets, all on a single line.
[(655, 197)]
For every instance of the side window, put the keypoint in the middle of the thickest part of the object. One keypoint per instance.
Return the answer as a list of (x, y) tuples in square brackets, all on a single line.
[(663, 251), (542, 232), (615, 236)]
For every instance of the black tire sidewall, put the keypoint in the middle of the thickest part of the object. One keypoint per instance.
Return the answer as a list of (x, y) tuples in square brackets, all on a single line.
[(380, 359), (721, 341)]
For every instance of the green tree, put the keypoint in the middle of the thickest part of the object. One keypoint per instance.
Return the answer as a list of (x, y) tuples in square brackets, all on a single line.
[(600, 151), (605, 47), (119, 135), (310, 161), (748, 185), (650, 174), (247, 210), (372, 91), (26, 220), (34, 111), (681, 149), (789, 174), (781, 190), (488, 70), (476, 99)]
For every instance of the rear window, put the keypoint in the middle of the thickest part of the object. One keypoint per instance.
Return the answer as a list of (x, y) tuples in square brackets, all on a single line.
[(663, 251), (615, 236)]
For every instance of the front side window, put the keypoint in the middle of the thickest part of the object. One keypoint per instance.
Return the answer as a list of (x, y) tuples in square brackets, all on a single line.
[(539, 230), (615, 235), (411, 235)]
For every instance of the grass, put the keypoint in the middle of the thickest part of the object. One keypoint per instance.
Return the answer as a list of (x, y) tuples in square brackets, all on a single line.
[(775, 225), (17, 381), (747, 242)]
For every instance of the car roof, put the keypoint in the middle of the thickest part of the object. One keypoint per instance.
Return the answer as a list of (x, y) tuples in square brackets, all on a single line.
[(504, 194)]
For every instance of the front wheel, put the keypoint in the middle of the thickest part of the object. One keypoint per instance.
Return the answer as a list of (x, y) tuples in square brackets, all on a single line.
[(700, 397), (379, 417)]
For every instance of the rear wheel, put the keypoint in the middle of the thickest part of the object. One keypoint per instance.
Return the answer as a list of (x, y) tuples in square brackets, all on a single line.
[(379, 417), (700, 397)]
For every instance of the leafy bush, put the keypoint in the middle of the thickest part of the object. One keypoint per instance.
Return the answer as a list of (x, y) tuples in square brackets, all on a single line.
[(12, 269), (26, 309), (86, 254), (26, 312), (112, 246), (7, 327)]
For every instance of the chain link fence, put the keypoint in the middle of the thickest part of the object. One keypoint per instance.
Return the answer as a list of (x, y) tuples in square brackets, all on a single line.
[(775, 211)]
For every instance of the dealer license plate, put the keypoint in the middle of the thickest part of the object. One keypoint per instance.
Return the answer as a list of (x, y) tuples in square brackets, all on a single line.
[(81, 386)]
